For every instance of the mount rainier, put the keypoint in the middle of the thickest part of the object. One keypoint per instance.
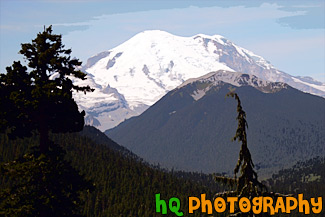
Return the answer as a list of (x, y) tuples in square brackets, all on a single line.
[(134, 75)]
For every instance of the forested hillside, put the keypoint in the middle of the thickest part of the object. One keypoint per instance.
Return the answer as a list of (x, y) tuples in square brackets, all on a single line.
[(179, 131), (124, 185), (304, 177), (307, 178)]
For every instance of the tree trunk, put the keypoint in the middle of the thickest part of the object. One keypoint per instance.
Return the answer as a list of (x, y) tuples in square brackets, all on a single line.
[(44, 137)]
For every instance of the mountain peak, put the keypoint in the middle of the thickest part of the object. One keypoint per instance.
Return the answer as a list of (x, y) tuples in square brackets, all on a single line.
[(153, 62), (218, 38), (155, 32)]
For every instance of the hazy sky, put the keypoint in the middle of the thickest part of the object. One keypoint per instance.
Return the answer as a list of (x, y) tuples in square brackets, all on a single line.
[(289, 34)]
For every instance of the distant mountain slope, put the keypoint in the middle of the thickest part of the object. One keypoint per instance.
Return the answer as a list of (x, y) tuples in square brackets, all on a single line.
[(134, 75), (191, 127)]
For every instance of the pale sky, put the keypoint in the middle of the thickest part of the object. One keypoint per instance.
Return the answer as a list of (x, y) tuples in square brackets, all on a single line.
[(289, 34)]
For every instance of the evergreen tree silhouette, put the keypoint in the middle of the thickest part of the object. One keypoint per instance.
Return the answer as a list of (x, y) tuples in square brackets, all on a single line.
[(39, 97), (247, 184)]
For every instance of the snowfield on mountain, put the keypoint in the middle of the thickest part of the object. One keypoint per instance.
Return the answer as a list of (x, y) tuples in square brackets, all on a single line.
[(134, 75)]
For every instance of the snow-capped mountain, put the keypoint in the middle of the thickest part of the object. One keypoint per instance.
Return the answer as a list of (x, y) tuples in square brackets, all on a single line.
[(134, 75)]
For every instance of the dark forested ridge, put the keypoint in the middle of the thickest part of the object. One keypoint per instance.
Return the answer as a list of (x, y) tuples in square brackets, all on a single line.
[(100, 138), (124, 185)]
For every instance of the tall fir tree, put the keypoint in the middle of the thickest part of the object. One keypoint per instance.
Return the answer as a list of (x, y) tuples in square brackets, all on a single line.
[(247, 184), (39, 97)]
